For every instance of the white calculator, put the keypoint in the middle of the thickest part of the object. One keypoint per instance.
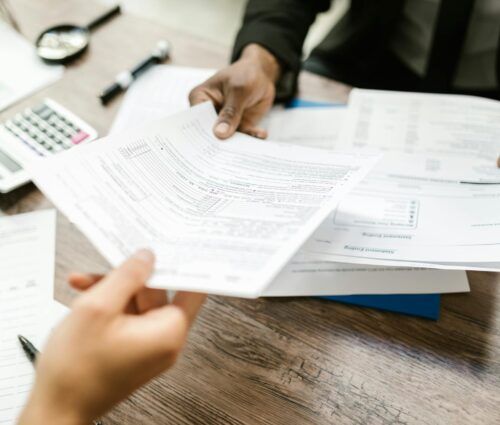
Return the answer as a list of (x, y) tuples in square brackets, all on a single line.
[(44, 130)]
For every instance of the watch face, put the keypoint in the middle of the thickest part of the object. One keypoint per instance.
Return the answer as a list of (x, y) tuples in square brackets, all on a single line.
[(286, 87)]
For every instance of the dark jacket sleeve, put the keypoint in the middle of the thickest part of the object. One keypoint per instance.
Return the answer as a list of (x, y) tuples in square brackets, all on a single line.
[(280, 26)]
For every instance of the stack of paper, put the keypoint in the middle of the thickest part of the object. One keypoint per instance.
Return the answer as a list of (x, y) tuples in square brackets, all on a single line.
[(165, 90), (430, 202), (222, 217)]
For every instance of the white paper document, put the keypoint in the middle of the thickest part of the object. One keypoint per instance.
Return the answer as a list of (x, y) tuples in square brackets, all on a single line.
[(307, 275), (22, 72), (165, 91), (162, 91), (27, 250), (315, 127), (459, 136), (222, 218), (402, 212)]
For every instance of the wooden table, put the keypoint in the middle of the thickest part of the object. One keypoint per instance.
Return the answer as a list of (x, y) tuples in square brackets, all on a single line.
[(285, 361)]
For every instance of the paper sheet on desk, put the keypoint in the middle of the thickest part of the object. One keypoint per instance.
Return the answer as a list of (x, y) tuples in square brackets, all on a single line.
[(419, 215), (22, 72), (165, 90), (27, 250), (445, 129), (222, 218), (22, 376), (161, 92)]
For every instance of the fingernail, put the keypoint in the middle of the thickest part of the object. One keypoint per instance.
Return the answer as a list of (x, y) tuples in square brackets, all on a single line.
[(144, 255), (222, 128)]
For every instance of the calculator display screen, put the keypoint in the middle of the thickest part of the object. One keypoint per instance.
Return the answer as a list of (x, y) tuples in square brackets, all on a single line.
[(9, 163)]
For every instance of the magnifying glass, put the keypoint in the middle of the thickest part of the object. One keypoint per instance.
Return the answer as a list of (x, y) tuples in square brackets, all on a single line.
[(62, 43)]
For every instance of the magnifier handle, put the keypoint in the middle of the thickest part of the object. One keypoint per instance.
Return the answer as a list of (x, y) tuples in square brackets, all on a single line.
[(104, 18)]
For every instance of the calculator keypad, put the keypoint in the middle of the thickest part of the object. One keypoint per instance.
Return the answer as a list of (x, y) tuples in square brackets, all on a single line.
[(45, 131)]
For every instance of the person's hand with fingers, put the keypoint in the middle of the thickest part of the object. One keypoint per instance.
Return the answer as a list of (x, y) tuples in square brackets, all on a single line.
[(118, 336), (242, 93)]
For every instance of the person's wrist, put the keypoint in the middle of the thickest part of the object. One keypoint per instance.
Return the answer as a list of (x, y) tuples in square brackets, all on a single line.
[(264, 58), (37, 412)]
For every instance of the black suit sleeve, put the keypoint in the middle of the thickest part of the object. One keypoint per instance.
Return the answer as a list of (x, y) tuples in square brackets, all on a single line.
[(280, 26)]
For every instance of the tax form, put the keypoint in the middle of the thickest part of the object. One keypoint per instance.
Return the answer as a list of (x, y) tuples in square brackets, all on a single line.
[(165, 90), (459, 136), (27, 250), (222, 218), (411, 208)]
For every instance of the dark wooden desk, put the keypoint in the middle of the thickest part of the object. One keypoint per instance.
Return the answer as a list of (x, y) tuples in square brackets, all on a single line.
[(288, 361)]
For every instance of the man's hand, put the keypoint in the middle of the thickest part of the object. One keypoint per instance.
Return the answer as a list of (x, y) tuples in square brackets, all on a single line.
[(242, 93), (118, 336)]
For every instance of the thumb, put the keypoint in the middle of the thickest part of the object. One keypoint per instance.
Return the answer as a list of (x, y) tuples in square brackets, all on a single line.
[(230, 116), (125, 281)]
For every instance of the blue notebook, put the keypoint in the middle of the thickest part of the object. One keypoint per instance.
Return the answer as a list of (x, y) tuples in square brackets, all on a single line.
[(421, 305)]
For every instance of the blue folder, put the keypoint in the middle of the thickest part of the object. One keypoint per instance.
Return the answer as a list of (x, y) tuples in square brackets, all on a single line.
[(421, 305)]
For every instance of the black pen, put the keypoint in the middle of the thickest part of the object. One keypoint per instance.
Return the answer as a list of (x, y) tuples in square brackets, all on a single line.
[(125, 79), (28, 348), (31, 352)]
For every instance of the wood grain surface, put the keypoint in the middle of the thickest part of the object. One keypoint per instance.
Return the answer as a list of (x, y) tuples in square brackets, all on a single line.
[(279, 361)]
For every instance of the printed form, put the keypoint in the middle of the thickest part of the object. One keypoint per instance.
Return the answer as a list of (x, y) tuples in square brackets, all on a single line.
[(411, 207), (222, 218), (27, 250), (165, 90), (458, 136)]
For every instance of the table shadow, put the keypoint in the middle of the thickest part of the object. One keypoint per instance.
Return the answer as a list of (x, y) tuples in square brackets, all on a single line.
[(8, 200)]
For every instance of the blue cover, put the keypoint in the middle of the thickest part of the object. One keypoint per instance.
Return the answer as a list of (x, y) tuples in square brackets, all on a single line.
[(302, 103), (421, 305)]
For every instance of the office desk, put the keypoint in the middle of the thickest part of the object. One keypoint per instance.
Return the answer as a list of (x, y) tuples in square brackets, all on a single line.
[(285, 361)]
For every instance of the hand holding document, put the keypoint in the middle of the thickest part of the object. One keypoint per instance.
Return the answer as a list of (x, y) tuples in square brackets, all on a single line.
[(165, 90), (222, 218)]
